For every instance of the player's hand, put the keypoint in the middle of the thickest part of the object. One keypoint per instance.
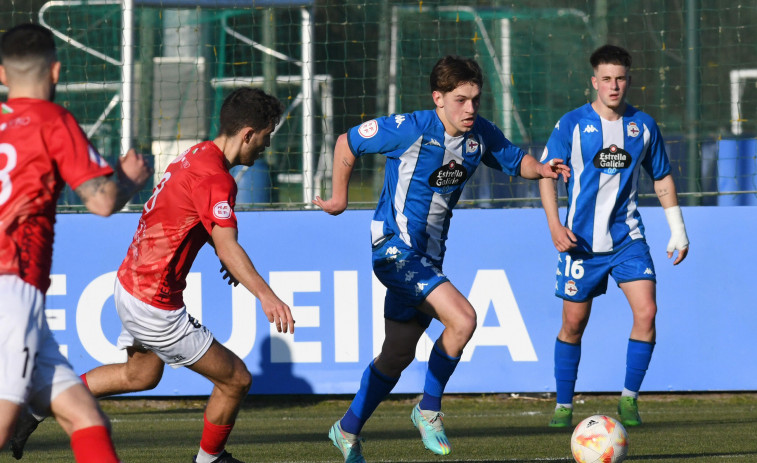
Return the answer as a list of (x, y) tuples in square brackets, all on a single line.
[(227, 275), (332, 206), (554, 168), (132, 168), (679, 241), (683, 249), (278, 313), (563, 238)]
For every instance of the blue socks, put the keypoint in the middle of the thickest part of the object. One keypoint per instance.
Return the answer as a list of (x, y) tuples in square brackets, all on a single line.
[(440, 368), (567, 357), (374, 387), (638, 357)]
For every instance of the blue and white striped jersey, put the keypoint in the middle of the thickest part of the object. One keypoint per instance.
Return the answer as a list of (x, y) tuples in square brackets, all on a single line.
[(605, 158), (426, 170)]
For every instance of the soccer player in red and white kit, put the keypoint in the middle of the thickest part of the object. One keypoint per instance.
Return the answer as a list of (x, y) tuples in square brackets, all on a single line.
[(42, 148), (193, 204)]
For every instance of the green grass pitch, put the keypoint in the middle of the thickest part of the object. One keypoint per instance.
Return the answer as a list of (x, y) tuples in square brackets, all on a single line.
[(677, 428)]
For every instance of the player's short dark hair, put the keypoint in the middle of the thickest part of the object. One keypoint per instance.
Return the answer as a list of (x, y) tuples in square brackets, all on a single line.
[(452, 71), (28, 41), (610, 54), (249, 107)]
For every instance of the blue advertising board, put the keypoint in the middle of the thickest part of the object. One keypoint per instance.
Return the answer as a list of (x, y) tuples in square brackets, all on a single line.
[(502, 259)]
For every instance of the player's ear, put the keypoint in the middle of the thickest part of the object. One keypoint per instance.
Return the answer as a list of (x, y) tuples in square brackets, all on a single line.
[(247, 134), (438, 98), (55, 71), (3, 77)]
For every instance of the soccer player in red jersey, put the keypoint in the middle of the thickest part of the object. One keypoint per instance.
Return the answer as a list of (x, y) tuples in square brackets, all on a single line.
[(42, 148), (193, 204)]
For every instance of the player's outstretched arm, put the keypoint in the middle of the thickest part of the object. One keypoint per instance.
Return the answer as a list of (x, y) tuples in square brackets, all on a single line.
[(665, 189), (234, 258), (344, 163), (562, 237), (532, 169), (104, 196)]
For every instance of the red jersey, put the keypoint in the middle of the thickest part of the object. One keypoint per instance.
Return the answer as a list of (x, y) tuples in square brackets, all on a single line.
[(195, 194), (41, 148)]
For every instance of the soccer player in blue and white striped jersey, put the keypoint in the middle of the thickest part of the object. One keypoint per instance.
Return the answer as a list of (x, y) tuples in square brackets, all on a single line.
[(607, 143), (430, 155)]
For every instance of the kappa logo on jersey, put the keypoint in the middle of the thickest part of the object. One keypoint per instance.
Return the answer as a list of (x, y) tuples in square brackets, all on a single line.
[(400, 264), (648, 271), (570, 288), (448, 177), (399, 119), (368, 129), (409, 275), (222, 210), (557, 126), (433, 142), (392, 252), (590, 129), (471, 145), (632, 129), (419, 287), (612, 158)]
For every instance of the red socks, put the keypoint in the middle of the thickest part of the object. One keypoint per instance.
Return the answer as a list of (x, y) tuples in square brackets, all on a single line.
[(214, 436), (83, 377), (93, 445)]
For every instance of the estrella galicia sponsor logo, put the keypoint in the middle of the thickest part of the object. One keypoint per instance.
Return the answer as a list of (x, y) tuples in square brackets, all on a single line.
[(448, 177), (612, 158)]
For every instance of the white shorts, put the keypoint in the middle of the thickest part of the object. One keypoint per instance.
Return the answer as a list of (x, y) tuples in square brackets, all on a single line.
[(32, 369), (177, 338)]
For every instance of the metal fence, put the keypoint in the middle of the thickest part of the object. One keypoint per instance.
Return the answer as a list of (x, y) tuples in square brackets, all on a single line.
[(151, 74)]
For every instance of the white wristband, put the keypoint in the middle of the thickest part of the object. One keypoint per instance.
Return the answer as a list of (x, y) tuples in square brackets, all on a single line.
[(678, 238)]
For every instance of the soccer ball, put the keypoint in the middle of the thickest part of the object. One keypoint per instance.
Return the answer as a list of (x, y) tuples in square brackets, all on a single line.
[(599, 439)]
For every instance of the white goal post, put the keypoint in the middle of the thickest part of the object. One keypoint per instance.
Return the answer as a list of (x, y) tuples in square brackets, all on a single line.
[(739, 78)]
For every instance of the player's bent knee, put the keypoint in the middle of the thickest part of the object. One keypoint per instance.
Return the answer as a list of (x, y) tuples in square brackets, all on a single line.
[(462, 328), (143, 382), (241, 381)]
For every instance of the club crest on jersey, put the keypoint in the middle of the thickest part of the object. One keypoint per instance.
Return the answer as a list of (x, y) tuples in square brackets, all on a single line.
[(632, 129), (611, 159), (471, 145), (368, 129), (222, 210), (448, 177)]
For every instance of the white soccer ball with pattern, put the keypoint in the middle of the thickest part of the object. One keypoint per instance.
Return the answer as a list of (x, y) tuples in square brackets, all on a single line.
[(599, 439)]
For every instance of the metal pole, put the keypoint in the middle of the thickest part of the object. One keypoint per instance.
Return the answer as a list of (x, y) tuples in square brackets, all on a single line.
[(308, 109), (269, 61), (127, 76), (506, 79), (693, 163), (600, 22)]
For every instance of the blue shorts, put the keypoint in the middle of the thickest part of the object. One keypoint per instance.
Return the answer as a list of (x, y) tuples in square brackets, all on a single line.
[(582, 276), (408, 276)]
